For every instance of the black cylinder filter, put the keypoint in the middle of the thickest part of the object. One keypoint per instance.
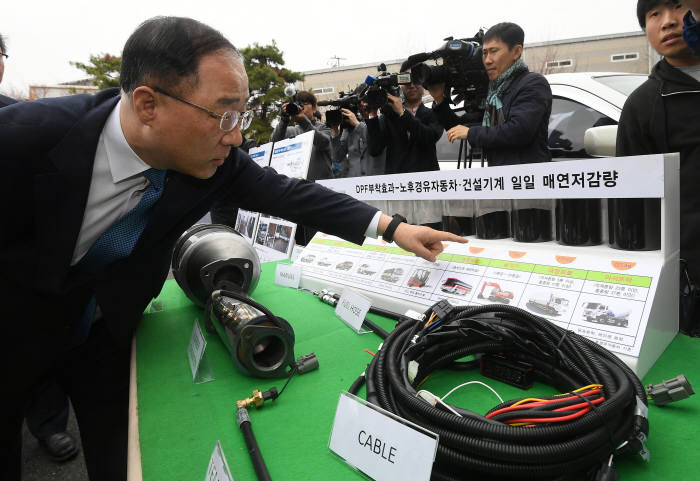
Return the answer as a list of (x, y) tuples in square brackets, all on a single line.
[(635, 224), (578, 222)]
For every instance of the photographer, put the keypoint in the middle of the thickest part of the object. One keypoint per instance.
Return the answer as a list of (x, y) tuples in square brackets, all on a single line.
[(519, 102), (407, 132), (349, 142), (321, 154)]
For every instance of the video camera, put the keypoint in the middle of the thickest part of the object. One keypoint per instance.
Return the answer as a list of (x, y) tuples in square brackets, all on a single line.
[(346, 100), (462, 71), (383, 83)]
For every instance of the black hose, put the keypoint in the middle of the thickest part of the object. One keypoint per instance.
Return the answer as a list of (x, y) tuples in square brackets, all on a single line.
[(375, 328), (472, 445), (252, 443)]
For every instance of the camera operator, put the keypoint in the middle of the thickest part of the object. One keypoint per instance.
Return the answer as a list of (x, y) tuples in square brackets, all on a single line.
[(406, 131), (320, 165), (519, 102), (349, 142)]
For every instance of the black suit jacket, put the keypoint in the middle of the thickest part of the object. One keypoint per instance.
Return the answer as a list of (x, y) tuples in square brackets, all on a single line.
[(48, 148), (409, 140), (5, 100)]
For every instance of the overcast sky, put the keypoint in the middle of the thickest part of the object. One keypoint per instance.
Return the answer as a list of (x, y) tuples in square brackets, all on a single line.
[(43, 36)]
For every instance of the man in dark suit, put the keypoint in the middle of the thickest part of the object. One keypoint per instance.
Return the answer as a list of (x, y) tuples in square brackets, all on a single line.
[(407, 132), (79, 260)]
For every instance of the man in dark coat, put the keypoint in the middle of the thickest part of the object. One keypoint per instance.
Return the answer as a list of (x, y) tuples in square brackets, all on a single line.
[(519, 102), (661, 116), (406, 132), (94, 194)]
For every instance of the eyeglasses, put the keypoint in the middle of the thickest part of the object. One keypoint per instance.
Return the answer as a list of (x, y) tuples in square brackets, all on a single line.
[(227, 120), (4, 55)]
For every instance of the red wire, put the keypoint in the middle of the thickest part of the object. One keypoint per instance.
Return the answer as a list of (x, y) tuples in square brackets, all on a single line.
[(550, 420), (369, 352), (540, 403)]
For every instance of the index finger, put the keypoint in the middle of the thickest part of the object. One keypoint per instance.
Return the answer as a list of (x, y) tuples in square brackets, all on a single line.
[(449, 236)]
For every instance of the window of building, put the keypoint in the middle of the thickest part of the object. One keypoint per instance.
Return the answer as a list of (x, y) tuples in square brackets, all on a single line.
[(323, 90), (560, 63), (624, 57)]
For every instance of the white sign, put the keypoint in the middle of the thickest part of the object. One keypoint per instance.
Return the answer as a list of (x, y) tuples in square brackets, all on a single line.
[(199, 365), (620, 177), (288, 275), (352, 308), (380, 444), (291, 157), (218, 467), (261, 155)]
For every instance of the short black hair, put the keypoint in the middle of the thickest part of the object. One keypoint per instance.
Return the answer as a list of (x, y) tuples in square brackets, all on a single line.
[(3, 48), (163, 51), (406, 65), (305, 97), (507, 32), (643, 7)]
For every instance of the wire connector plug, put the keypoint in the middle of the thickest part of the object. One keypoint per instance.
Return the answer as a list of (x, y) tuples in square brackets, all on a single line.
[(670, 391)]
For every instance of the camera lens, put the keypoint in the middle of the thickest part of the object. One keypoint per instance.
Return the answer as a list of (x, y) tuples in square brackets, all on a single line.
[(292, 109)]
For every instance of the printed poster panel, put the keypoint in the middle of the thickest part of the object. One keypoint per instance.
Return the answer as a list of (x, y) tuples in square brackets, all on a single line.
[(291, 157), (261, 154), (599, 294), (246, 223), (274, 238)]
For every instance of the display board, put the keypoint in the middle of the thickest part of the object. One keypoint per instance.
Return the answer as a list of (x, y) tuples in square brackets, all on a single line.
[(626, 301), (604, 299), (291, 157)]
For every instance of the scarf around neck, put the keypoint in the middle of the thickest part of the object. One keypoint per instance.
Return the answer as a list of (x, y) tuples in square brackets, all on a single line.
[(494, 105)]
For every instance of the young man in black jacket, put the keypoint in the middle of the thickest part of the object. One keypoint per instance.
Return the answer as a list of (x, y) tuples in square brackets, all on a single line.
[(661, 115), (519, 102)]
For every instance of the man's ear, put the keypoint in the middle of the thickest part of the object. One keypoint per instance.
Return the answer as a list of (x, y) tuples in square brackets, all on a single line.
[(518, 51), (144, 101)]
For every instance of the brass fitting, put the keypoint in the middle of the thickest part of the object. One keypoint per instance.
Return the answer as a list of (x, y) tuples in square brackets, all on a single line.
[(257, 400)]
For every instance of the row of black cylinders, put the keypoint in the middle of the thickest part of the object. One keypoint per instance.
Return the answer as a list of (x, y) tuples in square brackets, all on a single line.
[(633, 224)]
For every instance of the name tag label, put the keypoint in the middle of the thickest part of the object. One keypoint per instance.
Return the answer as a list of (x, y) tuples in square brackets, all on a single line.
[(288, 275), (352, 308), (218, 467), (197, 357), (380, 444)]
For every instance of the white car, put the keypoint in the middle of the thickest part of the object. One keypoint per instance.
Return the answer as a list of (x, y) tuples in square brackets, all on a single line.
[(580, 101)]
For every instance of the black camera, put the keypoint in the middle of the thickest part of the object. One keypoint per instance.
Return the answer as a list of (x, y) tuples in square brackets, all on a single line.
[(346, 100), (462, 70), (293, 107), (383, 83)]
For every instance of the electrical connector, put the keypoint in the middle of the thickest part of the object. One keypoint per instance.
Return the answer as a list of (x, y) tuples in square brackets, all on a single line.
[(607, 472), (670, 391), (307, 363), (258, 398), (516, 373), (442, 309)]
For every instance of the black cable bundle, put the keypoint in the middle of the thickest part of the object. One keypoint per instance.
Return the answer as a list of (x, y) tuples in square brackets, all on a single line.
[(474, 447)]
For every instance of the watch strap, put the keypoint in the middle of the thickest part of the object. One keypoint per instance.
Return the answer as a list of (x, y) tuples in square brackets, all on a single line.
[(388, 235)]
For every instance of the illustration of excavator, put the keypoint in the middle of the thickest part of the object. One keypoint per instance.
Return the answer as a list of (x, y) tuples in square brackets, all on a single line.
[(494, 294)]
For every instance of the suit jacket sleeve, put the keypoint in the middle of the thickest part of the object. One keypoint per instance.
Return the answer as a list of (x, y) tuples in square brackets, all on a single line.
[(530, 105), (634, 135)]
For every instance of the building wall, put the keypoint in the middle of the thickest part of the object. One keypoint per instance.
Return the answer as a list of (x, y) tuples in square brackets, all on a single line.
[(592, 54), (50, 91)]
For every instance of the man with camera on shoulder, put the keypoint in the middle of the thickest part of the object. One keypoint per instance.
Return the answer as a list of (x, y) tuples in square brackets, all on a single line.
[(301, 110), (518, 104), (407, 130)]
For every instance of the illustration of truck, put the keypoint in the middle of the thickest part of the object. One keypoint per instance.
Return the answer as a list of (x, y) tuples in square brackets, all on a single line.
[(604, 314), (419, 278), (344, 266), (324, 262), (365, 270), (453, 285), (494, 293), (548, 304), (392, 274)]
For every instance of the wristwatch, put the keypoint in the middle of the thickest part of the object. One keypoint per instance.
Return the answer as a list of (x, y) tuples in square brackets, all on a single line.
[(388, 235)]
